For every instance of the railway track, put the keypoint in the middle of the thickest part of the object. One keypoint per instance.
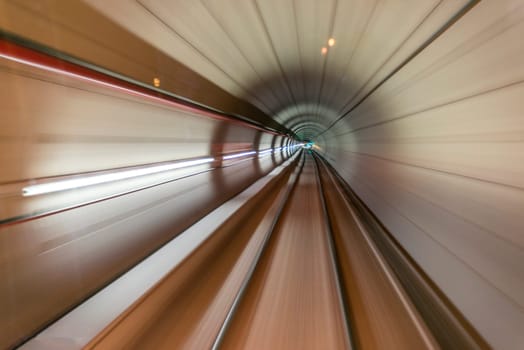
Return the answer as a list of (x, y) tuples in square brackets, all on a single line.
[(289, 276), (293, 268)]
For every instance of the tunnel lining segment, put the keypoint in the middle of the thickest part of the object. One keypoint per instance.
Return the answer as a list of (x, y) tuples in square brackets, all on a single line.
[(462, 12)]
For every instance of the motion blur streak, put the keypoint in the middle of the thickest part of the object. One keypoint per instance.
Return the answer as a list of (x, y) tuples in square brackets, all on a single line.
[(99, 179), (361, 184), (238, 155)]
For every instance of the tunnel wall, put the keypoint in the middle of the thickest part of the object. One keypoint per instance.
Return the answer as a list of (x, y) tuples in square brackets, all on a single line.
[(58, 248), (67, 27), (437, 154)]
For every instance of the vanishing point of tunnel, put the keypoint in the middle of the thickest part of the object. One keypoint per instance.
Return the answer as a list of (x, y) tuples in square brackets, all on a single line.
[(262, 174)]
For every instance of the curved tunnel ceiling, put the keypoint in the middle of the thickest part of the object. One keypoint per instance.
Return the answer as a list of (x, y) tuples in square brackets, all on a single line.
[(269, 53)]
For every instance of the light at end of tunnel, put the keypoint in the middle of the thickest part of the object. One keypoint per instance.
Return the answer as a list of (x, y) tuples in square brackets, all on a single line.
[(156, 82), (331, 41), (324, 50), (80, 182)]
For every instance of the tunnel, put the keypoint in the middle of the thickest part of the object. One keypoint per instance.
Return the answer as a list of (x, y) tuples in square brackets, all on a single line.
[(261, 174)]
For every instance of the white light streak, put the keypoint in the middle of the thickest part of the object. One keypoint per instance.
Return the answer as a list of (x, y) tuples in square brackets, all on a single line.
[(238, 155), (63, 185)]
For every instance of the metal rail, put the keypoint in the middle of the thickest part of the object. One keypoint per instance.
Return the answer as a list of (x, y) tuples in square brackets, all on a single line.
[(423, 300), (334, 257), (293, 180)]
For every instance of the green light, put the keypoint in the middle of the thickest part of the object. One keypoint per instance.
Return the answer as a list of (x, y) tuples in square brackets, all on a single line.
[(308, 145)]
